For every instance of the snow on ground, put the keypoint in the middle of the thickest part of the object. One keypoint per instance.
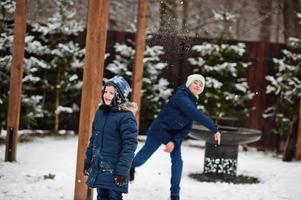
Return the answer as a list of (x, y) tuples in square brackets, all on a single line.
[(24, 179)]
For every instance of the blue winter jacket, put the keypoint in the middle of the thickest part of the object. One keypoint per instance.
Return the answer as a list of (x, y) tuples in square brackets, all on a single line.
[(174, 121), (111, 148)]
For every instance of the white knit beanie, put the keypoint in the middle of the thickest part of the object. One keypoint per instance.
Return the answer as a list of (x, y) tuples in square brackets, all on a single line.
[(195, 77)]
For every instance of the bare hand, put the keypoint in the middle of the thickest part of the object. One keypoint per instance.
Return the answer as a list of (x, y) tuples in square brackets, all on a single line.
[(169, 147), (217, 137), (86, 169), (86, 172)]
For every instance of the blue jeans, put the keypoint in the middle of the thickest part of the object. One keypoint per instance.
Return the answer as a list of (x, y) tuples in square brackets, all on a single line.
[(106, 194), (150, 146)]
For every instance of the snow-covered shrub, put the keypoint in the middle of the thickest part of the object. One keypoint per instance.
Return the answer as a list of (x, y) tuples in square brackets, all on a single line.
[(155, 91), (7, 8), (59, 61), (31, 108), (227, 90), (52, 66), (285, 85)]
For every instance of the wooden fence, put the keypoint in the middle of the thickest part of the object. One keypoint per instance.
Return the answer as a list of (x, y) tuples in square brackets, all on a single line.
[(178, 50)]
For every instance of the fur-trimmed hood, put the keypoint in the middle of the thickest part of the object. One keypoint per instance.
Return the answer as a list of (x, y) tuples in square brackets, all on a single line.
[(128, 106)]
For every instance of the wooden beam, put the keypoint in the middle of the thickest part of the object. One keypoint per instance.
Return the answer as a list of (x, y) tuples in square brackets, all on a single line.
[(15, 86), (298, 145), (139, 55), (92, 79)]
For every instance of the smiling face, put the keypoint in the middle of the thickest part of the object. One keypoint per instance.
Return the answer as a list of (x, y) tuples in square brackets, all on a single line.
[(196, 87), (109, 94)]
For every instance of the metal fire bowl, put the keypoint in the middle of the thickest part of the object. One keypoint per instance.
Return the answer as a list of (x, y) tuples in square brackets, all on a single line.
[(230, 135)]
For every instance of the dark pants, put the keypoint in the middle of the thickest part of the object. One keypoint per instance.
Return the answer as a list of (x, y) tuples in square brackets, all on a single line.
[(150, 146), (106, 194)]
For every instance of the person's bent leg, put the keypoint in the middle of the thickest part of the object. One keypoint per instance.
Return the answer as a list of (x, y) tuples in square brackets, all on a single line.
[(102, 194), (176, 171), (149, 147)]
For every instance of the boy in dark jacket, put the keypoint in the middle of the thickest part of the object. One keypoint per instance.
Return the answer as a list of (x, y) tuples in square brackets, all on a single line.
[(172, 125), (113, 142)]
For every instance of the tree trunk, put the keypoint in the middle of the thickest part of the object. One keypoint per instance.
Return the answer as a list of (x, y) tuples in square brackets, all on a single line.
[(168, 17), (239, 26), (290, 147), (185, 17), (290, 20), (229, 5), (57, 102), (298, 148), (278, 35), (265, 13)]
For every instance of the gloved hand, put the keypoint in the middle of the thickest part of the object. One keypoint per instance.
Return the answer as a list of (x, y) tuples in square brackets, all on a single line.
[(120, 180), (86, 169)]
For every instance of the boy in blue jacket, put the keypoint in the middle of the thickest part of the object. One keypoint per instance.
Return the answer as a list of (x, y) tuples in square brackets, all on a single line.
[(113, 142), (172, 125)]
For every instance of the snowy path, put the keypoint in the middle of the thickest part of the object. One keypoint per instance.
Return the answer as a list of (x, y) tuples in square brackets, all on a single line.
[(24, 179)]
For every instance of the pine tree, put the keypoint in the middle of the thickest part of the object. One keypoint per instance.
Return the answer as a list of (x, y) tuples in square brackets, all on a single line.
[(285, 85), (62, 62), (221, 64), (31, 109), (52, 64)]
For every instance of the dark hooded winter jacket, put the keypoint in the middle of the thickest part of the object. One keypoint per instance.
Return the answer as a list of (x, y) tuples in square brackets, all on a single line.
[(112, 147), (174, 121)]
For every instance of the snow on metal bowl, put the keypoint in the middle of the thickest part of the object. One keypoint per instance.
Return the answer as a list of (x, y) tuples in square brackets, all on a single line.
[(230, 135)]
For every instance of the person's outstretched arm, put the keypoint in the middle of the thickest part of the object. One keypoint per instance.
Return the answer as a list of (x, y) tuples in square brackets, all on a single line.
[(187, 106)]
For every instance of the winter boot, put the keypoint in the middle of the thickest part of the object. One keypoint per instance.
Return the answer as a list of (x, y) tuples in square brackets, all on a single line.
[(174, 197), (132, 173)]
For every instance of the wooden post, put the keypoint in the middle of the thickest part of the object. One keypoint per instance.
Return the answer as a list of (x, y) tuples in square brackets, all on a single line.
[(15, 86), (100, 52), (139, 55), (298, 145), (92, 79)]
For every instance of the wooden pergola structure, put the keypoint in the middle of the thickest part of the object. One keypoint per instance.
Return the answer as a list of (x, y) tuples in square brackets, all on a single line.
[(92, 80)]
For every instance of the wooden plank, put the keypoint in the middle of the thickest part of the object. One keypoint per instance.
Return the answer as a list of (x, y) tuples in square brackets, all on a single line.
[(92, 79), (259, 88), (139, 55), (252, 53), (298, 145), (15, 87)]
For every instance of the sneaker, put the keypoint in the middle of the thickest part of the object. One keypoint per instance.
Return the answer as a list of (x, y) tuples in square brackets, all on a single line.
[(174, 197)]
